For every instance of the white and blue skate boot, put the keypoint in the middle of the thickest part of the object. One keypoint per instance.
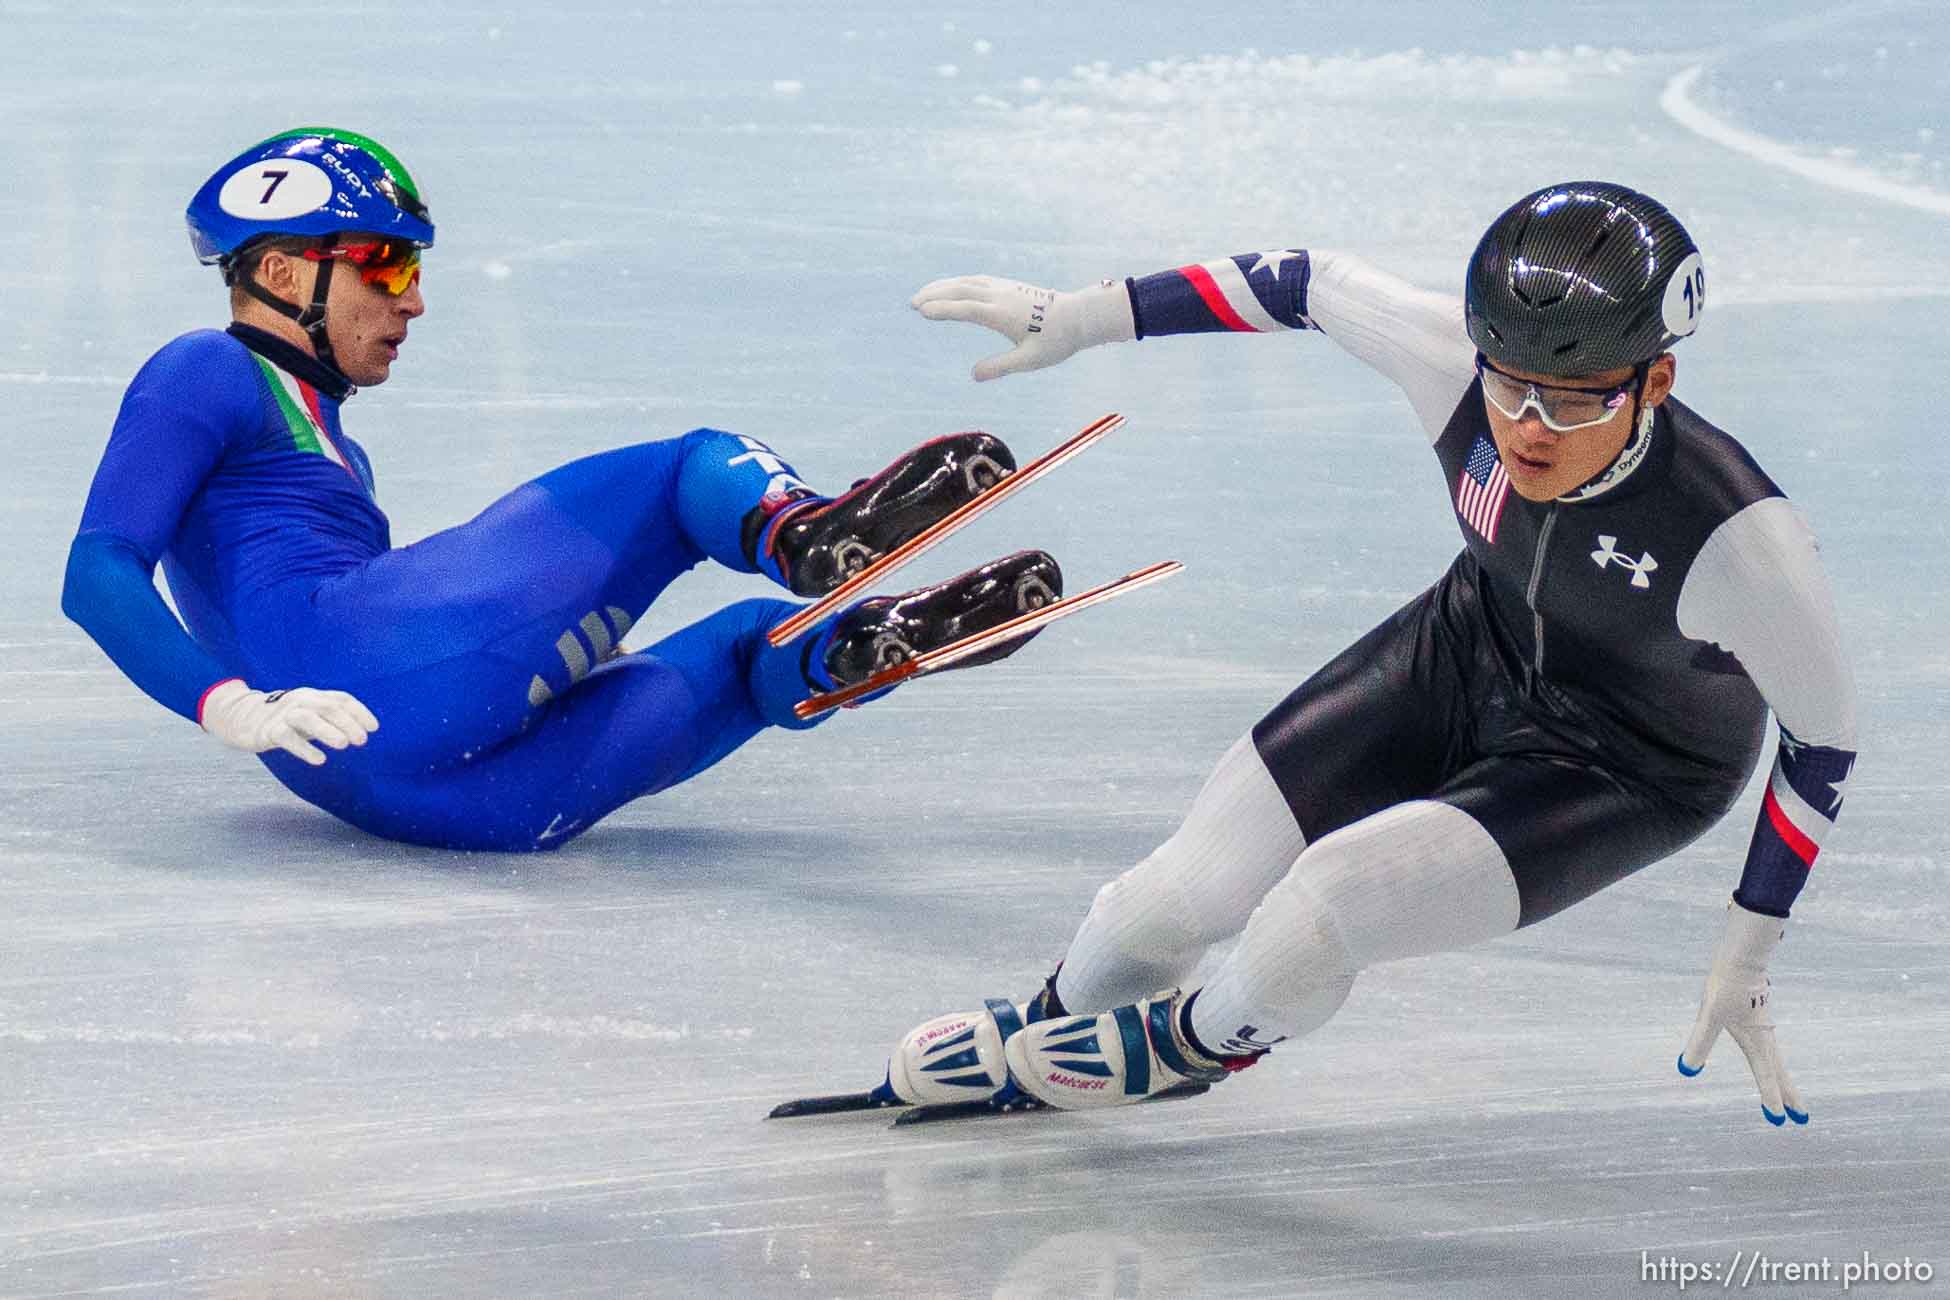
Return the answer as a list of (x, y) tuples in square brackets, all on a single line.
[(1113, 1058), (959, 1057)]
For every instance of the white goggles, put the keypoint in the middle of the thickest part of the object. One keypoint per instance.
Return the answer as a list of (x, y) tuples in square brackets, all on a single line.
[(1562, 407)]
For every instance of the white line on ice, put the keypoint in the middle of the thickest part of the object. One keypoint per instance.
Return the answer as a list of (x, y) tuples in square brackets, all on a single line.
[(1677, 102)]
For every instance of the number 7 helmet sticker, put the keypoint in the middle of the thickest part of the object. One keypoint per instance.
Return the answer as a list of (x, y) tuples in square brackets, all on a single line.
[(274, 189)]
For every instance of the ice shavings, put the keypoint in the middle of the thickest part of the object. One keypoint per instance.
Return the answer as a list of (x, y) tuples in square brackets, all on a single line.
[(1252, 76), (1274, 142)]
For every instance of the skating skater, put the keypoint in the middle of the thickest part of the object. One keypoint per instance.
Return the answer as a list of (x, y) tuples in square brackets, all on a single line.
[(471, 682), (1582, 693)]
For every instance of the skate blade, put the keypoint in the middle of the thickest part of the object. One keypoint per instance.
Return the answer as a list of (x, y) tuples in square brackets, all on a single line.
[(952, 1110), (900, 555)]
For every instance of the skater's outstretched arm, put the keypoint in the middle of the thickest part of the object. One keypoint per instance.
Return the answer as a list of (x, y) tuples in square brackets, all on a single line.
[(1413, 336), (1757, 590)]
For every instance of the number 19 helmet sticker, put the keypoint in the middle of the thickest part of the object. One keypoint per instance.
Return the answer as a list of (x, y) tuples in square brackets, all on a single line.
[(310, 181), (1685, 297)]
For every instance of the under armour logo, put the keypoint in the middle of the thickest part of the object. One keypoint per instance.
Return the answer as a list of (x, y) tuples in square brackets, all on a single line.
[(1607, 552)]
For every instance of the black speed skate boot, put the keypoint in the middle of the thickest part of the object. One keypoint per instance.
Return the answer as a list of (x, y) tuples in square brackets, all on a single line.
[(819, 544), (882, 631)]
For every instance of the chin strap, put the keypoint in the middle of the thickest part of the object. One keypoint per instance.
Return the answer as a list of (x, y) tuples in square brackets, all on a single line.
[(310, 319)]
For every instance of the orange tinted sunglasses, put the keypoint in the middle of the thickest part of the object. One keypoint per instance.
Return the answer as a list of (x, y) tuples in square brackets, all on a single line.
[(392, 264)]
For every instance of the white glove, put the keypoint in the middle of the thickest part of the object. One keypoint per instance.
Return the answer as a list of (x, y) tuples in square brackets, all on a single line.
[(289, 720), (1736, 1001), (1046, 326)]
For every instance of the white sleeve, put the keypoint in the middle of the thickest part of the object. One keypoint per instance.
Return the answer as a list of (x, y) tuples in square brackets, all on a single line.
[(1757, 589), (1413, 336)]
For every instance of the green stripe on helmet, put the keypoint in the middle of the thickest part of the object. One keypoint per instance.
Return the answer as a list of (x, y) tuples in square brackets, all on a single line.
[(394, 168)]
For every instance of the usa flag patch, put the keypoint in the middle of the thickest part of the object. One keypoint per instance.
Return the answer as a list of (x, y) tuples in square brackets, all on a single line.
[(1481, 488)]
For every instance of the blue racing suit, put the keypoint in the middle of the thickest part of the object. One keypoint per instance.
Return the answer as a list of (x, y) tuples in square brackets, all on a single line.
[(488, 652)]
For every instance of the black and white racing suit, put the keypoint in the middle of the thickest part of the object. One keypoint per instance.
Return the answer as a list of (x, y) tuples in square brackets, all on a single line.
[(1590, 679)]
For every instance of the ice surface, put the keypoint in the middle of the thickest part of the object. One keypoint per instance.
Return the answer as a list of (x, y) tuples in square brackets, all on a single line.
[(245, 1051)]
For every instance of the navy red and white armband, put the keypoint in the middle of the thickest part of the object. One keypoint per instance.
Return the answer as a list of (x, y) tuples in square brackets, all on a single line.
[(1804, 796), (1247, 293)]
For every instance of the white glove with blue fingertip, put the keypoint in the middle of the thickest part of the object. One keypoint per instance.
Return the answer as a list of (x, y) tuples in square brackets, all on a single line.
[(1736, 1000)]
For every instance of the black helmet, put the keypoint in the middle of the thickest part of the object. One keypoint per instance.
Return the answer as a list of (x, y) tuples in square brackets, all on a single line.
[(1582, 277)]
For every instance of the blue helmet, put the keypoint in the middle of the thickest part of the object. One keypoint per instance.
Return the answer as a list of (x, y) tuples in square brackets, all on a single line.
[(309, 181)]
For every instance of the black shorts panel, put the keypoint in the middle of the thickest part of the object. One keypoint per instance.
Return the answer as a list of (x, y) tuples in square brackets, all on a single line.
[(1426, 707), (1568, 828), (1378, 724)]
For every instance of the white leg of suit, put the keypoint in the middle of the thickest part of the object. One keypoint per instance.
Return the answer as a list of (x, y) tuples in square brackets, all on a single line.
[(1417, 878), (1148, 928)]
